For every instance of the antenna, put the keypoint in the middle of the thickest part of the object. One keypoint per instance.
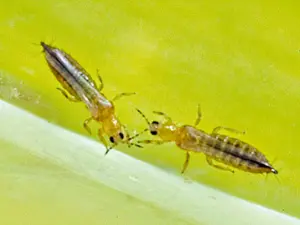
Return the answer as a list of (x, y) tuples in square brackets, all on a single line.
[(107, 150), (138, 134), (143, 115)]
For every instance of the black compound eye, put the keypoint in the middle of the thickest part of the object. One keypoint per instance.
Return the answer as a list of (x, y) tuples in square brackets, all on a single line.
[(112, 139), (155, 123), (153, 132), (121, 135)]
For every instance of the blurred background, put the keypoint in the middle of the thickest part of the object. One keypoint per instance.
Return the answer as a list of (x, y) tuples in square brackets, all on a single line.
[(239, 60)]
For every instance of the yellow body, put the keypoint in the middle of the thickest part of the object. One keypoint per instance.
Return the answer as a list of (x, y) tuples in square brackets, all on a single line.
[(240, 59), (227, 150), (81, 87)]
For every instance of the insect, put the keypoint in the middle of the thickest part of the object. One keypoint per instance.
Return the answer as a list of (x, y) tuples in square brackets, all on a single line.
[(217, 147), (78, 86)]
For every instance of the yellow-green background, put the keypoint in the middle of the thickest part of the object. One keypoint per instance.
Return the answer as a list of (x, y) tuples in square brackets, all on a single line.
[(239, 60)]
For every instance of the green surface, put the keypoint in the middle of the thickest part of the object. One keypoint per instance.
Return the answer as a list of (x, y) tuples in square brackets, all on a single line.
[(156, 196), (34, 191), (239, 60)]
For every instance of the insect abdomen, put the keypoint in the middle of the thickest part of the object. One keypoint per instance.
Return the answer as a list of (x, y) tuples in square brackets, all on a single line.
[(238, 154)]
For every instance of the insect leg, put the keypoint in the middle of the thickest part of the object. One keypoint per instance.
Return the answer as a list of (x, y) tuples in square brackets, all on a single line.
[(102, 139), (85, 125), (186, 162), (157, 142), (127, 136), (118, 96), (210, 162), (125, 130), (129, 139), (163, 114), (199, 116), (217, 129), (101, 81), (70, 98)]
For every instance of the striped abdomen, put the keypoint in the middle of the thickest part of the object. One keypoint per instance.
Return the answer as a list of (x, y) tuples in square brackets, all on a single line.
[(227, 150), (75, 79)]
